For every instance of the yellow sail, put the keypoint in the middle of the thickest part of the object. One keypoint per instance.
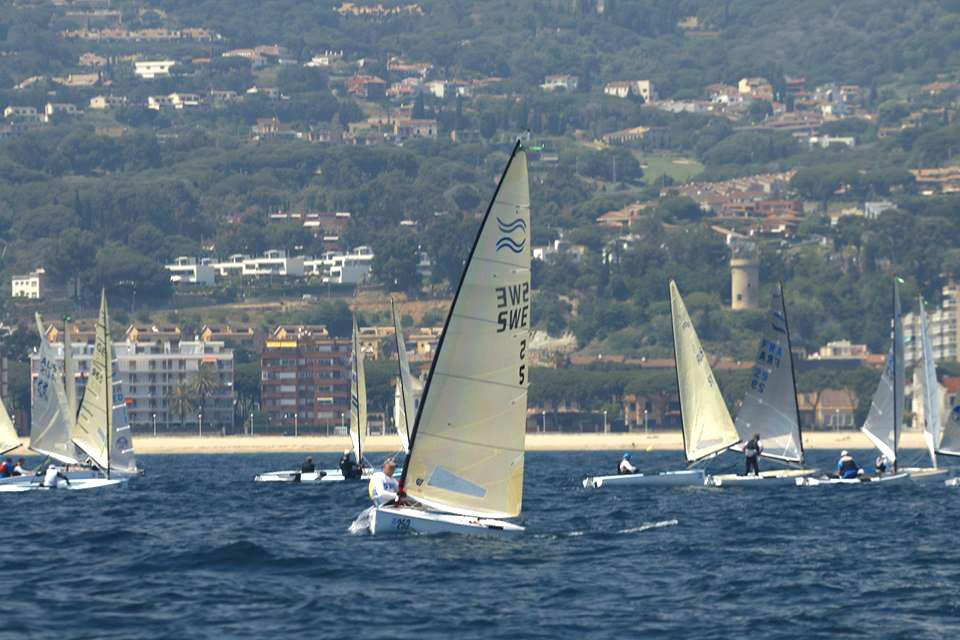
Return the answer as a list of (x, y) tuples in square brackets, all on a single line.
[(707, 426), (467, 450), (103, 428)]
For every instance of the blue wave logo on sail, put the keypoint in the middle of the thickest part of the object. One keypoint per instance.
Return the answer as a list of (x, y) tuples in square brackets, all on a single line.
[(507, 241)]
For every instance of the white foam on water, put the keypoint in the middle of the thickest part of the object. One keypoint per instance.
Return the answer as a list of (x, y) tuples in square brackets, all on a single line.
[(362, 523), (651, 525)]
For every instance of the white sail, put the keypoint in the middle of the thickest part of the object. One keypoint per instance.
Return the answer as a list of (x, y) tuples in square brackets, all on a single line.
[(770, 405), (882, 426), (8, 435), (103, 428), (407, 412), (358, 398), (707, 426), (931, 389), (467, 449), (950, 435), (49, 416), (69, 374)]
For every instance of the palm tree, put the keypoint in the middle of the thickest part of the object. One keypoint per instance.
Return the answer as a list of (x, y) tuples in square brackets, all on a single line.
[(205, 382), (183, 396)]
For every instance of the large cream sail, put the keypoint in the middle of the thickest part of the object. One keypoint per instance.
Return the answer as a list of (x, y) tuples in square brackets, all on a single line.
[(49, 416), (103, 428), (932, 415), (8, 435), (358, 398), (467, 451), (407, 411), (770, 404), (882, 425), (707, 426)]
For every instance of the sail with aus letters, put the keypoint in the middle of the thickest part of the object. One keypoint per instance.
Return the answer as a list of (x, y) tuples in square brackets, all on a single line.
[(467, 447)]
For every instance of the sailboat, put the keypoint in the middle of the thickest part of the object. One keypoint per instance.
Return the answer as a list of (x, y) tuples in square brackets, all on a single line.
[(464, 471), (885, 418), (100, 434), (930, 401), (707, 427), (770, 406), (358, 426)]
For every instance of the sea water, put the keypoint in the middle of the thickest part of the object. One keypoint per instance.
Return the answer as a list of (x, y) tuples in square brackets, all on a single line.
[(196, 549)]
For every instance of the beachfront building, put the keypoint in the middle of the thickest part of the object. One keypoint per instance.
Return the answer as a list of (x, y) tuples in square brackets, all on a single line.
[(942, 326), (161, 381), (305, 378)]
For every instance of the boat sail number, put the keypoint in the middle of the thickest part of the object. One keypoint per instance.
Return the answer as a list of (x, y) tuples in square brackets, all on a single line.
[(513, 313)]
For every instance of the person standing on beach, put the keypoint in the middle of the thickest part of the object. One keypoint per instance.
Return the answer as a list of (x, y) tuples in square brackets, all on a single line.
[(384, 488), (751, 453), (626, 467)]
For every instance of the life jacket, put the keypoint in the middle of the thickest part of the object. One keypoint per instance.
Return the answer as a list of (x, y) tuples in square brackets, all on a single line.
[(751, 449), (5, 470), (848, 467)]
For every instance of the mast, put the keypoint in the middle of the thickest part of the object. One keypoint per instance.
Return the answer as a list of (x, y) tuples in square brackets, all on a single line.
[(896, 369), (793, 372), (107, 379), (446, 323)]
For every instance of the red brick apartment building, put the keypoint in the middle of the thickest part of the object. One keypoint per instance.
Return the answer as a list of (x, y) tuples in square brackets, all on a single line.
[(305, 379)]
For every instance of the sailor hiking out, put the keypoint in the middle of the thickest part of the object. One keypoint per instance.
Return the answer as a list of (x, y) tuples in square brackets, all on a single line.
[(53, 476), (751, 453), (384, 488)]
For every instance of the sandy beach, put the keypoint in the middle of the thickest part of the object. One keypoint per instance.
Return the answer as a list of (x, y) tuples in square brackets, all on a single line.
[(660, 441)]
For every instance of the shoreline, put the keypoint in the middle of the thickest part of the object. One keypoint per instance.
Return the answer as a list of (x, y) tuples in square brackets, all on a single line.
[(658, 441)]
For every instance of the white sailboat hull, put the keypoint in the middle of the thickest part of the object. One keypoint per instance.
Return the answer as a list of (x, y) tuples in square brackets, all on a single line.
[(772, 478), (75, 485), (394, 520), (928, 474), (324, 475), (953, 482), (685, 478), (818, 482)]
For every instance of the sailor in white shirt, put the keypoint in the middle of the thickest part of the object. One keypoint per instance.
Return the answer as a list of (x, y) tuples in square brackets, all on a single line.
[(383, 486), (626, 467), (53, 476)]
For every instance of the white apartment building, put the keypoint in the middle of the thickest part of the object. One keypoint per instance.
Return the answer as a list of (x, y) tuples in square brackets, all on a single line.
[(151, 373), (150, 69), (626, 88), (107, 102), (30, 285), (23, 114), (274, 263), (188, 271), (342, 268), (53, 108), (941, 325)]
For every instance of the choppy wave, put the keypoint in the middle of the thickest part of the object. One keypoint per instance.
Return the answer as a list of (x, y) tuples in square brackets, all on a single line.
[(196, 549)]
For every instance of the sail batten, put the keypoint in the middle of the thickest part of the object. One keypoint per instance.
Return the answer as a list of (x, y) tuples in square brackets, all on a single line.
[(467, 444), (49, 417), (707, 425), (770, 405)]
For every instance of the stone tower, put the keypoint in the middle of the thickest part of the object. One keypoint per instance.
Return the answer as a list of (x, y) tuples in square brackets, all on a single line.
[(744, 276)]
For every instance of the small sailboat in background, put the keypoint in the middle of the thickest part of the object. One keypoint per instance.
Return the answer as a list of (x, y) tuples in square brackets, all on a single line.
[(358, 427), (770, 406), (931, 403), (464, 471), (707, 427), (99, 435), (884, 422)]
